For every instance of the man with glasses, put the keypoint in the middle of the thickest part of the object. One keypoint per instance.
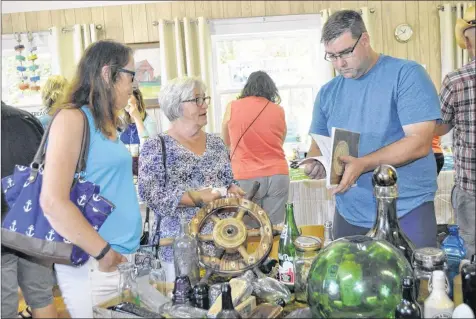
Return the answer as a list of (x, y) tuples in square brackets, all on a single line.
[(394, 105)]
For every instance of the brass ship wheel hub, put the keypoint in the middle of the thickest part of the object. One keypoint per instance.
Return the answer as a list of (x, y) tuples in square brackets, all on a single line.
[(229, 233)]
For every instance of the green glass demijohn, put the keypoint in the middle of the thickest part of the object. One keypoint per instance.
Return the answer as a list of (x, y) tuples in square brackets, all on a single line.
[(358, 276)]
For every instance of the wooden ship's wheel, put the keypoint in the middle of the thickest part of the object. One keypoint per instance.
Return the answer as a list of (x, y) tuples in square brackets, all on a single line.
[(229, 235)]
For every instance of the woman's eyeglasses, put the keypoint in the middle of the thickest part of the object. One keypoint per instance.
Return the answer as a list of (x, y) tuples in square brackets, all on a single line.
[(127, 71), (199, 100)]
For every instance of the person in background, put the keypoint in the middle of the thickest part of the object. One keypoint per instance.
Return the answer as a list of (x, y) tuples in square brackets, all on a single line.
[(101, 88), (197, 169), (254, 128), (438, 151), (52, 92), (21, 136), (458, 108), (394, 105), (140, 125)]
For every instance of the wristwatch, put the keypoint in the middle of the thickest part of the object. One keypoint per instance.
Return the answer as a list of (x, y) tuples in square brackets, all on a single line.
[(103, 252)]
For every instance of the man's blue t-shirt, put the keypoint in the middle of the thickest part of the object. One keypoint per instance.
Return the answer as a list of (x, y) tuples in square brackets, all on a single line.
[(392, 94)]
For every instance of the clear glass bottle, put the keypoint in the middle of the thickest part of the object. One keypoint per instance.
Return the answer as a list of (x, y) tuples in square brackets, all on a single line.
[(186, 262), (453, 246), (408, 307), (425, 261), (306, 251), (328, 233), (387, 227), (438, 304), (157, 277), (128, 288), (286, 249)]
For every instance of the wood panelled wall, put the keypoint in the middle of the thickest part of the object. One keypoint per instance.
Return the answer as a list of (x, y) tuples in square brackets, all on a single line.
[(133, 23)]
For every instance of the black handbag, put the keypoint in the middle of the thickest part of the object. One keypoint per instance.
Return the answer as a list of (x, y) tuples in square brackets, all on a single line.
[(144, 240)]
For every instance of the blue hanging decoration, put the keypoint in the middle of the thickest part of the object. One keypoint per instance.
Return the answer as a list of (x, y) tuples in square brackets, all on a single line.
[(34, 68), (23, 85)]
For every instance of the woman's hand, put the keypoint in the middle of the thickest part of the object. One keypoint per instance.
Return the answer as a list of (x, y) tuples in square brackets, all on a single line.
[(209, 195), (110, 261), (235, 191), (133, 111)]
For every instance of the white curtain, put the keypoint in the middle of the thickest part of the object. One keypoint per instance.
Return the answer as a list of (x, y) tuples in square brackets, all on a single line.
[(83, 36), (54, 40), (452, 56), (328, 72), (186, 51), (369, 23), (68, 47)]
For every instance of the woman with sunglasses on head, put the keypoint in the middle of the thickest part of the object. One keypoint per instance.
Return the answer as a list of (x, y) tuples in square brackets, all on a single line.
[(197, 166), (101, 89), (140, 125)]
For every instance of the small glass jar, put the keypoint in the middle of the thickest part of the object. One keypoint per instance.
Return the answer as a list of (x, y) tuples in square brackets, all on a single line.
[(157, 277), (128, 288), (425, 261), (306, 251)]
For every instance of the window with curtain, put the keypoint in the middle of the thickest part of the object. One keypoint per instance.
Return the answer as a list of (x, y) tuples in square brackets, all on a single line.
[(11, 93), (287, 48)]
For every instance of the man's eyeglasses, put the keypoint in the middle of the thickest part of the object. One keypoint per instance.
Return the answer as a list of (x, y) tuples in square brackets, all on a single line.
[(344, 55), (127, 71), (199, 100)]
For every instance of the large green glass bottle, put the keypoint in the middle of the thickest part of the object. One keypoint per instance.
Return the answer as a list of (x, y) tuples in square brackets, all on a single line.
[(286, 250)]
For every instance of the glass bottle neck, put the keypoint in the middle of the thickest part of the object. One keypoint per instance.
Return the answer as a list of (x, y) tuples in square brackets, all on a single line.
[(386, 215), (407, 293), (184, 227), (289, 221), (227, 303)]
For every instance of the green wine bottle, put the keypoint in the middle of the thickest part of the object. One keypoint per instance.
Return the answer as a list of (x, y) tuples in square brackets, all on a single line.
[(286, 250)]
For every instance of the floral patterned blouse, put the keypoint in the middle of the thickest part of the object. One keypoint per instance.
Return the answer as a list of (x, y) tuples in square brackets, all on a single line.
[(185, 171)]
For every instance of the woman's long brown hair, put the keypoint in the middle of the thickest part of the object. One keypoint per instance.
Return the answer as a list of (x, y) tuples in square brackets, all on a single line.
[(90, 88)]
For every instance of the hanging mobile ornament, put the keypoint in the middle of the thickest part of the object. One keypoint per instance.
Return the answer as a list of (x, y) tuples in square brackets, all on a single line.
[(34, 68), (20, 58)]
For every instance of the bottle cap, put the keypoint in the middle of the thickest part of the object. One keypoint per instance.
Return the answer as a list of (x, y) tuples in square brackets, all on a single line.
[(407, 281), (429, 258), (307, 243)]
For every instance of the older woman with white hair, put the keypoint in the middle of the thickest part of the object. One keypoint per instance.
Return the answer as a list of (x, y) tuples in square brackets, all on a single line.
[(197, 164)]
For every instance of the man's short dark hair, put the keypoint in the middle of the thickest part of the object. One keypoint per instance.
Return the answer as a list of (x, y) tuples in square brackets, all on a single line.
[(340, 22)]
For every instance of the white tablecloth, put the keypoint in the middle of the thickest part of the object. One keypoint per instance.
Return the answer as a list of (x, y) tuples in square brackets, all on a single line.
[(313, 205)]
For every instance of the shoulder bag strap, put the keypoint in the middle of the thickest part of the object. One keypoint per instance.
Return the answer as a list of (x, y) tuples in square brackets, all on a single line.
[(39, 159), (247, 130), (159, 218)]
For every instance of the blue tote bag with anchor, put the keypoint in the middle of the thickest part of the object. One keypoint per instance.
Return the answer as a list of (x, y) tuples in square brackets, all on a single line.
[(25, 227)]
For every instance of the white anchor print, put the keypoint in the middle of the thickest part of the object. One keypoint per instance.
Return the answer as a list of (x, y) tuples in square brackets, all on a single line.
[(26, 183), (81, 200), (9, 182), (13, 226), (51, 235), (95, 210), (27, 206), (96, 198), (21, 168), (96, 227), (30, 232), (81, 181), (66, 241)]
